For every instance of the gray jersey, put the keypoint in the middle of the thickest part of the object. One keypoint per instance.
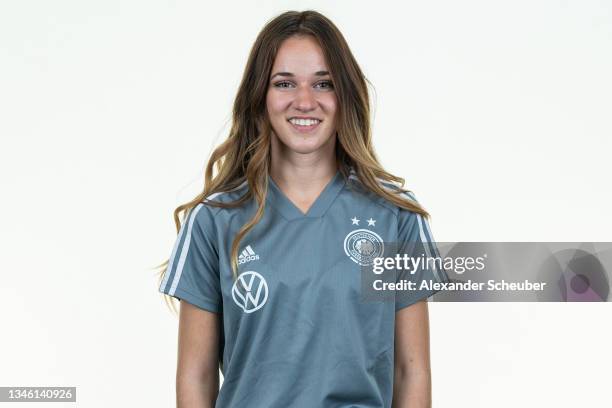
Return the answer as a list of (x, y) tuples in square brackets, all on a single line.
[(295, 332)]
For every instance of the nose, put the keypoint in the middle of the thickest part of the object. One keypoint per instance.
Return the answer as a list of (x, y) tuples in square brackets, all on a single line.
[(305, 99)]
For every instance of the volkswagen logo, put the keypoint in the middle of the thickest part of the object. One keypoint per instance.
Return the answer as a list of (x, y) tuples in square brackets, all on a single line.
[(250, 291)]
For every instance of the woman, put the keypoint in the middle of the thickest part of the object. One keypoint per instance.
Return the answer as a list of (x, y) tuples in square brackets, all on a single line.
[(268, 258)]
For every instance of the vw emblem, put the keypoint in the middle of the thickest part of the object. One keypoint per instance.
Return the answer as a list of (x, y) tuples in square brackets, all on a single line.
[(363, 245), (250, 291)]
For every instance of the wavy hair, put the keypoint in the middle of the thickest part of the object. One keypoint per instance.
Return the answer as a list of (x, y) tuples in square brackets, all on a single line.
[(245, 154)]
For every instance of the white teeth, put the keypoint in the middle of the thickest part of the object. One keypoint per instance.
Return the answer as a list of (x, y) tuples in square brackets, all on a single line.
[(304, 122)]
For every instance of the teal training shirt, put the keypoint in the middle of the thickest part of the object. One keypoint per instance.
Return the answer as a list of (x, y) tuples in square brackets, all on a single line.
[(295, 332)]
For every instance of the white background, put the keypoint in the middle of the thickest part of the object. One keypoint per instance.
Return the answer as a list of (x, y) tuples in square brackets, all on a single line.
[(497, 114)]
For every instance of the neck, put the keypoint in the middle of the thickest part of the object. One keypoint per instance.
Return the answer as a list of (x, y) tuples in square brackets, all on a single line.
[(302, 172)]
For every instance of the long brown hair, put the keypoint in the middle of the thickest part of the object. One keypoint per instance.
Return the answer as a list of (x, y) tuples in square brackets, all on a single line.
[(245, 154)]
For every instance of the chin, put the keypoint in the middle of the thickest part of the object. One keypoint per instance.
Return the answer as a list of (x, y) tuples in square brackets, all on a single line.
[(304, 144)]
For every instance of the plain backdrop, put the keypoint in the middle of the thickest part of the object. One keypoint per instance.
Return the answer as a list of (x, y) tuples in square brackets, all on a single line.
[(497, 114)]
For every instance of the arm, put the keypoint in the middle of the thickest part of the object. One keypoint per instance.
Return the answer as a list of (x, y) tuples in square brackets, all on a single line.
[(412, 376), (197, 374)]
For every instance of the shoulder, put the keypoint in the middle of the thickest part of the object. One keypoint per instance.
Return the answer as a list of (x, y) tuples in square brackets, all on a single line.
[(228, 195), (204, 212), (355, 185)]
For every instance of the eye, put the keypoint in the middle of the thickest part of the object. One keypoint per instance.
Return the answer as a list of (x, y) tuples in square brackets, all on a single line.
[(328, 84), (282, 84)]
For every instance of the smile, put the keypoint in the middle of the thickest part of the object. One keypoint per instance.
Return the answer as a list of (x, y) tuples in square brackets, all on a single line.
[(304, 125)]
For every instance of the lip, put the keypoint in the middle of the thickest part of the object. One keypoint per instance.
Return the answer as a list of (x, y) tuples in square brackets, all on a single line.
[(304, 129), (304, 117)]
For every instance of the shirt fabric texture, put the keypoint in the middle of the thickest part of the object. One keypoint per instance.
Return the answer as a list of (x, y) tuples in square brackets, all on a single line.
[(295, 330)]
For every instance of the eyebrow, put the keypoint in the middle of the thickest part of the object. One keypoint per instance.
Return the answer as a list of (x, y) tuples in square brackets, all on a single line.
[(289, 74)]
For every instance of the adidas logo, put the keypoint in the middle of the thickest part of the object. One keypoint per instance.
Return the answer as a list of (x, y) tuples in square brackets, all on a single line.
[(247, 255)]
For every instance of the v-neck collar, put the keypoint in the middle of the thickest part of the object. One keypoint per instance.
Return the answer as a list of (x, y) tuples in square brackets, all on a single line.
[(290, 211)]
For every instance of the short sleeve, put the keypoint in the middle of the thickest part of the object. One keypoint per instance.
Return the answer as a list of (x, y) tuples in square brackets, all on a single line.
[(193, 269), (416, 241)]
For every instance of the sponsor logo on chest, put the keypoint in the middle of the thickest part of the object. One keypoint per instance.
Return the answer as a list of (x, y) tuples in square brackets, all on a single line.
[(247, 255), (250, 291)]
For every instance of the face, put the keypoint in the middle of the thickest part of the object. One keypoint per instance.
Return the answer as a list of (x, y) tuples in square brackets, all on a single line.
[(301, 100)]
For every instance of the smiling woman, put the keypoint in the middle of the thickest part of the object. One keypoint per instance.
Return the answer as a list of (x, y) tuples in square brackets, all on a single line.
[(282, 316), (294, 95)]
